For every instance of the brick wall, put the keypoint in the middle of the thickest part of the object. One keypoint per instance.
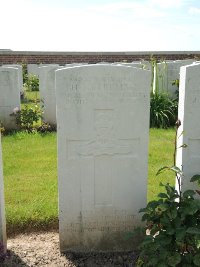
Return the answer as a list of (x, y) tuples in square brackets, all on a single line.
[(13, 57)]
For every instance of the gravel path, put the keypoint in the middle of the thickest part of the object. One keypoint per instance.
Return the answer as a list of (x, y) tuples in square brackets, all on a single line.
[(42, 249)]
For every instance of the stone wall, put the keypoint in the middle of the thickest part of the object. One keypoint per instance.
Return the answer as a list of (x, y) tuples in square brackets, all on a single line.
[(33, 57)]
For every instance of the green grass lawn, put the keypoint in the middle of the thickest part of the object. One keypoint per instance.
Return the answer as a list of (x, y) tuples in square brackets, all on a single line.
[(30, 173), (161, 149)]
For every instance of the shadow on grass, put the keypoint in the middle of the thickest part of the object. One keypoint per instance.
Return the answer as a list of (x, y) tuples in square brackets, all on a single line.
[(31, 226)]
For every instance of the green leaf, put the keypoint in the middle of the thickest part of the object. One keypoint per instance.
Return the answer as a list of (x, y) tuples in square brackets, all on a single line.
[(172, 213), (163, 195), (189, 193), (180, 234), (174, 259), (161, 208), (161, 169), (161, 184), (193, 230), (164, 240), (148, 240), (170, 231), (153, 261), (195, 178), (173, 168), (196, 259), (176, 170), (146, 217), (143, 210)]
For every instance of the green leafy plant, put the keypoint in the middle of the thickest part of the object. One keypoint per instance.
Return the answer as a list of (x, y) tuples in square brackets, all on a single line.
[(172, 232), (32, 82), (163, 110), (46, 128), (27, 117), (24, 72), (176, 83)]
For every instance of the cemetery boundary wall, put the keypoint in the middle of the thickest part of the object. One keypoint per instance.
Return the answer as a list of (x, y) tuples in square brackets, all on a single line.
[(40, 57)]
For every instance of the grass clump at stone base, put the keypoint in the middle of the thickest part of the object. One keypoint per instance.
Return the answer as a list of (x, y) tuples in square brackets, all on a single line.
[(30, 175)]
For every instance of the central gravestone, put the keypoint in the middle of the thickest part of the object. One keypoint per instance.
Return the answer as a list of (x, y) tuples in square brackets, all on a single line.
[(103, 122)]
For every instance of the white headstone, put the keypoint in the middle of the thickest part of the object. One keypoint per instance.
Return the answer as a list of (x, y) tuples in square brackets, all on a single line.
[(3, 243), (188, 159), (9, 96), (142, 65), (20, 73), (47, 92), (33, 69), (75, 64), (102, 122), (167, 72)]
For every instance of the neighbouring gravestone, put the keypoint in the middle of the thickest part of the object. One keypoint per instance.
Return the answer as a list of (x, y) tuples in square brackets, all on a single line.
[(20, 74), (167, 72), (188, 159), (75, 64), (47, 93), (10, 96), (3, 245), (142, 65), (33, 69), (103, 127)]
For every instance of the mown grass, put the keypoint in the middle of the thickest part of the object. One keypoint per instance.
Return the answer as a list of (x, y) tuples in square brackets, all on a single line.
[(161, 149), (30, 173)]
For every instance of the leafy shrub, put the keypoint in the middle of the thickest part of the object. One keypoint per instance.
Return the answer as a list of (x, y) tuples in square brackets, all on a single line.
[(46, 127), (32, 83), (172, 232), (163, 110), (27, 117), (24, 72)]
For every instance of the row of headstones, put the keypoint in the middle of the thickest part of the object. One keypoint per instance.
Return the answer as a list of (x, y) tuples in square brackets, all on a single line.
[(11, 84), (164, 74), (102, 116)]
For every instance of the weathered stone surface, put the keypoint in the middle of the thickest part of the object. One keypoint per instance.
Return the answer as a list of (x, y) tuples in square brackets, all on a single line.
[(33, 69), (47, 93), (20, 74), (103, 122), (9, 95), (188, 159), (167, 72)]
